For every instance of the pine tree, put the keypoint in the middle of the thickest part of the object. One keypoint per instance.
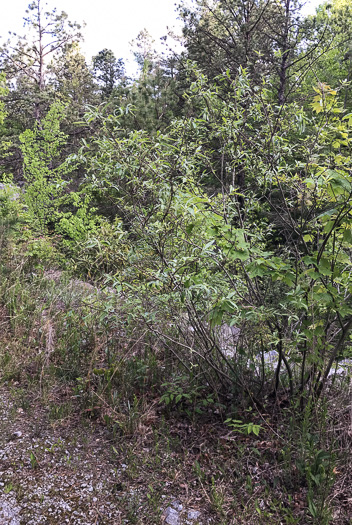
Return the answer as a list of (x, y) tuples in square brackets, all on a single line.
[(108, 71)]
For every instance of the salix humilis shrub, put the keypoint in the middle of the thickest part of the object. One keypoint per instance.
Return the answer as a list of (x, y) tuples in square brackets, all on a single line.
[(237, 217)]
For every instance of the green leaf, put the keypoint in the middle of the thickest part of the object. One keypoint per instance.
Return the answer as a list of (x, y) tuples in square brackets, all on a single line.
[(347, 236), (314, 478), (241, 255), (208, 245), (189, 228), (308, 238), (312, 508)]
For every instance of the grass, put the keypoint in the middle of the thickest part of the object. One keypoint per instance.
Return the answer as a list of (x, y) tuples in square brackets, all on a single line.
[(69, 349)]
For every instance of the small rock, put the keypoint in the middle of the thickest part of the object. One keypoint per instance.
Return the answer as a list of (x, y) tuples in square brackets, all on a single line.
[(177, 505), (193, 514), (16, 435), (172, 517)]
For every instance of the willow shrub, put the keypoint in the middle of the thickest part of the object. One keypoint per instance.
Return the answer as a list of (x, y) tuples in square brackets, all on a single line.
[(239, 217)]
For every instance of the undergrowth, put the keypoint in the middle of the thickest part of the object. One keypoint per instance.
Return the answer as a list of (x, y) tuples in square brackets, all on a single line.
[(75, 347)]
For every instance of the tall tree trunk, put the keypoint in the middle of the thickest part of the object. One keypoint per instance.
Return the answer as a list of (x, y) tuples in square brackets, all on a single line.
[(285, 50)]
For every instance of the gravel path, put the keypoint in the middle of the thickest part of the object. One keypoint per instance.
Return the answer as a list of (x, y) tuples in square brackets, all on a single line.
[(68, 472), (54, 475)]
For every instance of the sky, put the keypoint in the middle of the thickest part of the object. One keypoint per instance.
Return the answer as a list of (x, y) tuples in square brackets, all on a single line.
[(110, 24)]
